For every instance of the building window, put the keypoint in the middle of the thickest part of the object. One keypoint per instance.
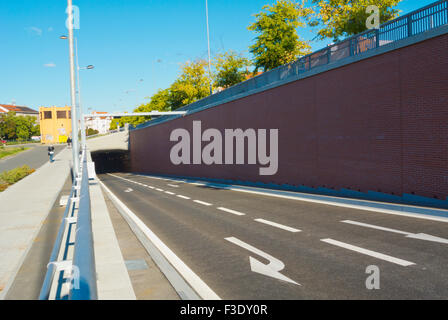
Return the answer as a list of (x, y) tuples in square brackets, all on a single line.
[(47, 115), (69, 114), (62, 114)]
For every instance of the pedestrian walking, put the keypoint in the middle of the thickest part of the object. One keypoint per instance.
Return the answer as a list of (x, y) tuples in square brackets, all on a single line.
[(51, 153), (69, 143)]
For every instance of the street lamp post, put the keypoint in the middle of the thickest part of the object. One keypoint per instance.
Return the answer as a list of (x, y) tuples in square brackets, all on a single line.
[(79, 104), (75, 148), (208, 43)]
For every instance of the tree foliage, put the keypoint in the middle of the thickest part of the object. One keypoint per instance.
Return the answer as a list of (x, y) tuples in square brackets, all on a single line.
[(14, 127), (192, 85), (343, 18), (231, 69), (278, 42)]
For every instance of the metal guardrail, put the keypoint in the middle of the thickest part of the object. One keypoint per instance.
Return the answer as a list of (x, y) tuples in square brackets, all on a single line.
[(424, 19), (82, 271)]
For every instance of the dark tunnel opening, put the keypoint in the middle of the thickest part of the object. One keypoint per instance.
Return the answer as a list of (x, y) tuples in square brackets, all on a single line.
[(110, 161)]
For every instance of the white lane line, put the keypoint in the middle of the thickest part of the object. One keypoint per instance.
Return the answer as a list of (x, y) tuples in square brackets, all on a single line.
[(170, 193), (203, 203), (232, 211), (151, 187), (375, 227), (278, 225), (183, 197), (374, 254), (202, 289), (173, 185), (161, 190)]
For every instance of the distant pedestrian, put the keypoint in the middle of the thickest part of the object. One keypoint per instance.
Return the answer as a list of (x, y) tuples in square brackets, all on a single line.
[(51, 153), (69, 143)]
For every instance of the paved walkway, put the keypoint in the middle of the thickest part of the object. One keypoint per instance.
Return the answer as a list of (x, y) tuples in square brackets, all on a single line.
[(24, 207)]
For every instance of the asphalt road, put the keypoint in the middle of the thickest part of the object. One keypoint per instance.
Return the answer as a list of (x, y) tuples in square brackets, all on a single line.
[(215, 232), (35, 157)]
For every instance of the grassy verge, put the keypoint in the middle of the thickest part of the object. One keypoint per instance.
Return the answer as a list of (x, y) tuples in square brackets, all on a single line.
[(5, 152), (8, 178)]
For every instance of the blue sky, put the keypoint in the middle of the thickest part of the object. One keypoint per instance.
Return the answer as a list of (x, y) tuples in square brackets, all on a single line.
[(135, 45)]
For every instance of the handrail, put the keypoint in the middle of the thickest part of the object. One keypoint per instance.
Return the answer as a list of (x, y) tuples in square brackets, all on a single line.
[(52, 267), (84, 258), (83, 279)]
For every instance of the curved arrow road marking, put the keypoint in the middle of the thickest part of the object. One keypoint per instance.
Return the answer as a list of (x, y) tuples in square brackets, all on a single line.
[(271, 270)]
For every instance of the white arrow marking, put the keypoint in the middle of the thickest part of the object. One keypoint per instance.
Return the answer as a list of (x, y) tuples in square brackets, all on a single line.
[(419, 236), (427, 237), (271, 270)]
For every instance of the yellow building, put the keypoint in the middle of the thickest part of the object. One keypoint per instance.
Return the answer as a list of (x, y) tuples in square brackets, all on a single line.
[(55, 124)]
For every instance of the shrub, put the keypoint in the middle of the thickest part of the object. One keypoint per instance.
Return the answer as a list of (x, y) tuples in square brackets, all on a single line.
[(8, 178)]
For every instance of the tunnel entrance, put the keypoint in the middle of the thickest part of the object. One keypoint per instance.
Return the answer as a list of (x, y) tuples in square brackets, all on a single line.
[(110, 161)]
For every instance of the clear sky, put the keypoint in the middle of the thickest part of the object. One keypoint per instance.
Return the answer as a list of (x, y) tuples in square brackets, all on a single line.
[(136, 46)]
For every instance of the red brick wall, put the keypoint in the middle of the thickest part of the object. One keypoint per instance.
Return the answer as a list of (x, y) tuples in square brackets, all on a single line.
[(380, 124)]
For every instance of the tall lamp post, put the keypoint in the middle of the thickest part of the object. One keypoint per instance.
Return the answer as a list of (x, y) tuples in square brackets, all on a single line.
[(79, 104), (75, 148), (208, 43)]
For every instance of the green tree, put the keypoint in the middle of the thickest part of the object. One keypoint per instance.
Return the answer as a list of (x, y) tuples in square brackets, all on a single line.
[(278, 42), (231, 69), (192, 85), (343, 18), (17, 127)]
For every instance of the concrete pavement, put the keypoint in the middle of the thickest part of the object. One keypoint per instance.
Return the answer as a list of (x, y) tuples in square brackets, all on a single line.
[(24, 207), (252, 246)]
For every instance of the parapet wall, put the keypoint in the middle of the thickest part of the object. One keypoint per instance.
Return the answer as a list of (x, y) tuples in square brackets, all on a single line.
[(376, 128)]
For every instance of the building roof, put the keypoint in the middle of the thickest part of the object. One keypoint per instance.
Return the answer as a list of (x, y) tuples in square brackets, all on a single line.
[(4, 108)]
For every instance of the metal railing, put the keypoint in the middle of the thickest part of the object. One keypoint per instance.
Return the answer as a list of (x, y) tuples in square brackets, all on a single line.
[(424, 19), (79, 273)]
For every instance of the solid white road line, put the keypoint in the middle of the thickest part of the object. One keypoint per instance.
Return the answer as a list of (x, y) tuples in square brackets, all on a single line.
[(183, 197), (202, 289), (173, 185), (277, 225), (374, 254), (203, 203), (232, 211)]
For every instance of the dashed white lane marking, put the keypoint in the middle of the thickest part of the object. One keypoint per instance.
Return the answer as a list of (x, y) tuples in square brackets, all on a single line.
[(170, 193), (173, 185), (203, 203), (374, 254), (161, 190), (151, 187), (278, 225), (232, 211), (183, 197)]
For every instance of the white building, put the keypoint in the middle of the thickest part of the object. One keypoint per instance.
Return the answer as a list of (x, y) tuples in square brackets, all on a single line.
[(102, 124)]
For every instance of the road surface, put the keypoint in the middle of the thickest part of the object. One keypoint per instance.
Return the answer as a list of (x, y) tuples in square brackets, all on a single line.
[(35, 157), (250, 246)]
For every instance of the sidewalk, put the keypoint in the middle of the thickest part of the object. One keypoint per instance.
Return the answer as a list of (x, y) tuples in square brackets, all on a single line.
[(24, 207)]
